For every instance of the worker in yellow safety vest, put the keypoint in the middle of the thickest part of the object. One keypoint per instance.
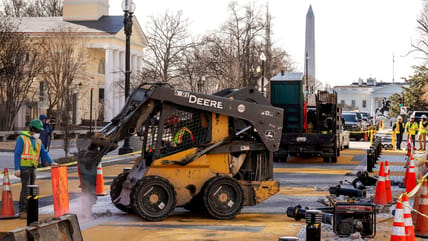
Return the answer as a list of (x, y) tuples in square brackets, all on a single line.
[(423, 125), (398, 128), (412, 129), (179, 136), (28, 150)]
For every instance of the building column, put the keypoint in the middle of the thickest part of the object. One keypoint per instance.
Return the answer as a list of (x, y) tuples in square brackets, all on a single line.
[(117, 74), (372, 107), (20, 118), (121, 93), (139, 63), (134, 64), (108, 86)]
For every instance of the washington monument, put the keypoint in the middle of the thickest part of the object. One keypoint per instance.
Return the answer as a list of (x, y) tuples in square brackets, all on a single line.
[(310, 50)]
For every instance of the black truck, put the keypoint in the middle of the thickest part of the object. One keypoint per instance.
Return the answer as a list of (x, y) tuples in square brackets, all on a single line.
[(314, 133)]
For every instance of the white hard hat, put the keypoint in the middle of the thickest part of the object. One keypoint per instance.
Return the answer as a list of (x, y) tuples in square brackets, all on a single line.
[(423, 116), (399, 117)]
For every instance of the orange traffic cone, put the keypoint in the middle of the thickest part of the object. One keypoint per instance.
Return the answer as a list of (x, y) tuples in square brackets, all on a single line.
[(365, 135), (7, 210), (388, 183), (411, 176), (380, 195), (408, 223), (100, 181), (409, 146), (416, 200), (421, 227), (398, 228)]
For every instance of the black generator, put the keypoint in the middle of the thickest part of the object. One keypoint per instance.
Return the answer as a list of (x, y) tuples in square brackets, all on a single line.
[(355, 217)]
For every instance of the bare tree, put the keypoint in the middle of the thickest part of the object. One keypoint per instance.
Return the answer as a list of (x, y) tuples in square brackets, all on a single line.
[(168, 39), (19, 65), (416, 95), (226, 58), (32, 8), (244, 32), (64, 57)]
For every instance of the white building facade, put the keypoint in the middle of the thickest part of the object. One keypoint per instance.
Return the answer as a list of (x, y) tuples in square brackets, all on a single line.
[(366, 96)]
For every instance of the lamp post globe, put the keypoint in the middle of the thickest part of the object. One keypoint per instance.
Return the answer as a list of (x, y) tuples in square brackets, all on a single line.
[(128, 7)]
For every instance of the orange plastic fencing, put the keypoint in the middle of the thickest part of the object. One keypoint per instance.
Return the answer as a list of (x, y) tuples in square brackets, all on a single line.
[(60, 190)]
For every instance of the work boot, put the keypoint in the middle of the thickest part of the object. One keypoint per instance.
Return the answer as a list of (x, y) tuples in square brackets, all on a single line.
[(23, 215)]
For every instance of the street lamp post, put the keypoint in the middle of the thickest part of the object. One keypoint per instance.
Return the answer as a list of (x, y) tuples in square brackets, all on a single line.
[(128, 7), (263, 59), (90, 104)]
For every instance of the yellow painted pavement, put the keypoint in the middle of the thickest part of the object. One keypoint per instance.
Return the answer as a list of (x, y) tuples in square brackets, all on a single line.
[(301, 191), (187, 227), (313, 171), (343, 159)]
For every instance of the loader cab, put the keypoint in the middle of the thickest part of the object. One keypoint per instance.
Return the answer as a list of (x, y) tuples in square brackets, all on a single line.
[(172, 129)]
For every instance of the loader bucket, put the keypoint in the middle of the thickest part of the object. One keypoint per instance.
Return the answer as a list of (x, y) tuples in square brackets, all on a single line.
[(87, 166), (63, 228)]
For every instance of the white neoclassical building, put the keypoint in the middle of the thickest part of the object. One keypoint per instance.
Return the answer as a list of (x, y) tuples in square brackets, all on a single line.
[(366, 96), (104, 58)]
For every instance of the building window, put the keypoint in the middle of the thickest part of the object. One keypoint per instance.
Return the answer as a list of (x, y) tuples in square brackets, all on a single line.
[(41, 91), (353, 103), (364, 104), (101, 104), (342, 103), (101, 66), (101, 94)]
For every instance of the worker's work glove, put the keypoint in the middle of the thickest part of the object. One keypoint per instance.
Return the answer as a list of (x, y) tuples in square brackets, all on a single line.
[(18, 173)]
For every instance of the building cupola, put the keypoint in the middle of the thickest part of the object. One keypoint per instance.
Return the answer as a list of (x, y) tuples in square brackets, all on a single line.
[(84, 10)]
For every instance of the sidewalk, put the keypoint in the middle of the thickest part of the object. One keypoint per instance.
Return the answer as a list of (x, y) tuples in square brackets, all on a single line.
[(56, 151)]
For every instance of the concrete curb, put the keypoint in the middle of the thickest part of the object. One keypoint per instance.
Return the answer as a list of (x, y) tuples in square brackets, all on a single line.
[(108, 159)]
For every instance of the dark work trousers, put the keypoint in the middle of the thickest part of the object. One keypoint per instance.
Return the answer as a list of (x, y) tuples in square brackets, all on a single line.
[(413, 140), (399, 139), (28, 177)]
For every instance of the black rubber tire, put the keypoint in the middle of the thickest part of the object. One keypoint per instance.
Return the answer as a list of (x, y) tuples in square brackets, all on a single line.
[(153, 198), (334, 159), (326, 159), (116, 188), (223, 197)]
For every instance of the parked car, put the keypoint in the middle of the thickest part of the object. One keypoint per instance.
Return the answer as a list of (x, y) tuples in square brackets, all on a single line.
[(418, 114), (353, 124), (344, 139), (367, 119)]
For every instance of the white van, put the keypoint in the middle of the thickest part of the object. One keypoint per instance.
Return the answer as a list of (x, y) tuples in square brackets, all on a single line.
[(418, 114)]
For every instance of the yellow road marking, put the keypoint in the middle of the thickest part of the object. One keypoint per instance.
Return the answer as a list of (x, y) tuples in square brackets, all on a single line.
[(312, 171), (186, 226), (301, 191)]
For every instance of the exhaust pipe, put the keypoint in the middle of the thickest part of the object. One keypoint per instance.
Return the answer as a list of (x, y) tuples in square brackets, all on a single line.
[(337, 190)]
